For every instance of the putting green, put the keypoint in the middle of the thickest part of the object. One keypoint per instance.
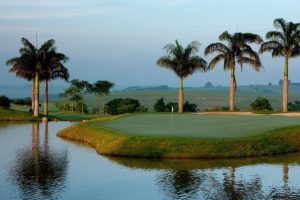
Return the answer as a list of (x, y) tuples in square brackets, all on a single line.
[(198, 126)]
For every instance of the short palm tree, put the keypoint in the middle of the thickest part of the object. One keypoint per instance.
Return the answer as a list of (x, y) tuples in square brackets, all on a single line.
[(183, 62), (33, 63), (237, 50), (285, 43)]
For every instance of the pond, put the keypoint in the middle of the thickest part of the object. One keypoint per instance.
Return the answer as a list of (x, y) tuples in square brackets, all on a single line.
[(36, 164)]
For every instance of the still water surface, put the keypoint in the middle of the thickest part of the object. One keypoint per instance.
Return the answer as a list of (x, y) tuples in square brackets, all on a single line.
[(35, 164)]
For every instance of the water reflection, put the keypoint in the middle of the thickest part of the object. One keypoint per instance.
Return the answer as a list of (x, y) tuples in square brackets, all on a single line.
[(180, 184), (218, 179), (38, 171)]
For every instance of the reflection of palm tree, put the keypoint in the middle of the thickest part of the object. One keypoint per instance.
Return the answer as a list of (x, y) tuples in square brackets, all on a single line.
[(241, 189), (39, 171), (180, 184)]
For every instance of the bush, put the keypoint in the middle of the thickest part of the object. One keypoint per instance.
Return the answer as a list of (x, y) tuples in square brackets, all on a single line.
[(142, 109), (261, 105), (5, 101), (22, 102), (294, 106), (120, 106), (170, 105), (160, 106), (221, 108), (189, 107)]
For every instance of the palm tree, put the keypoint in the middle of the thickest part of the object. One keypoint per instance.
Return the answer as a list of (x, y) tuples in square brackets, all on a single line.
[(53, 68), (33, 62), (23, 67), (285, 43), (236, 51), (100, 88), (183, 62)]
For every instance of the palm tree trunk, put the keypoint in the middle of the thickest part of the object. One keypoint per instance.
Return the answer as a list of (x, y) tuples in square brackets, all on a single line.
[(36, 96), (285, 171), (232, 88), (46, 98), (285, 86), (180, 96), (32, 96)]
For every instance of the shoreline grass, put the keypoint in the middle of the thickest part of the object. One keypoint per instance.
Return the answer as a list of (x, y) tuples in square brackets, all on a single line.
[(114, 143), (17, 115), (13, 115)]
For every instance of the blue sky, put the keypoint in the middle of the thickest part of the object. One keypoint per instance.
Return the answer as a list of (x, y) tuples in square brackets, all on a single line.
[(120, 40)]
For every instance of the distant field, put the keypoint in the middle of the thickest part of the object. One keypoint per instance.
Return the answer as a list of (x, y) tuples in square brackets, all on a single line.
[(198, 126), (207, 98)]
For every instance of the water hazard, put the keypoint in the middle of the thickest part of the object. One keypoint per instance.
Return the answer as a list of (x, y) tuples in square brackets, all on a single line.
[(35, 164)]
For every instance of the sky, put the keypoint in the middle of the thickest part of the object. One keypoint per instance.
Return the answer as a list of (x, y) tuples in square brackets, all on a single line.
[(121, 40)]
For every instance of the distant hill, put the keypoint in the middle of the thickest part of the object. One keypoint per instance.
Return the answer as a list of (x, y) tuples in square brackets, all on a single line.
[(139, 88)]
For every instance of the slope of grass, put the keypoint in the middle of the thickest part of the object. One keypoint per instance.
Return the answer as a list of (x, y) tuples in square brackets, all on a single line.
[(13, 115), (115, 143), (71, 116)]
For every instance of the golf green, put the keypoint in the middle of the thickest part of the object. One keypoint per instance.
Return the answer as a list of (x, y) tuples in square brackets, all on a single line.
[(197, 126)]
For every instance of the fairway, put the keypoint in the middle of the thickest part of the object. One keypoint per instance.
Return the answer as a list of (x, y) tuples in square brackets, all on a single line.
[(198, 126)]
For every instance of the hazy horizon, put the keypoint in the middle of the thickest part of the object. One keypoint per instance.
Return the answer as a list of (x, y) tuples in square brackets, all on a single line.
[(120, 41)]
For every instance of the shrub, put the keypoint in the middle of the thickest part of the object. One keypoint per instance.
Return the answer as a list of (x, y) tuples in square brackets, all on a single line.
[(294, 106), (142, 109), (221, 108), (22, 102), (5, 101), (160, 106), (120, 106), (189, 107), (170, 105), (261, 105)]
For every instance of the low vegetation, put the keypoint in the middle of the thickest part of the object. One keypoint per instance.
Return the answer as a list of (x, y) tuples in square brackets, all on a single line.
[(12, 115), (121, 106), (5, 101), (294, 106), (110, 142), (161, 106), (261, 105)]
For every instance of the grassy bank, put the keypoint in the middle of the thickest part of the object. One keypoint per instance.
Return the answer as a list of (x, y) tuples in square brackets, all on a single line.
[(18, 115), (13, 115), (71, 116), (115, 143)]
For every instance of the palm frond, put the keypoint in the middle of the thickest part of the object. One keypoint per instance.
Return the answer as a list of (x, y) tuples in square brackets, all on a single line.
[(216, 60), (216, 47), (280, 23), (251, 38)]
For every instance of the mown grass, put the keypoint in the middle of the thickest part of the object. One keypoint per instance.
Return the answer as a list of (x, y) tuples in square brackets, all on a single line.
[(197, 126), (13, 115), (20, 113), (113, 143), (71, 116)]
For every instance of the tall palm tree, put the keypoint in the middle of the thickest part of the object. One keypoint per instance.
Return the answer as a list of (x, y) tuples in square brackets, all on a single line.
[(33, 62), (237, 50), (23, 67), (53, 68), (283, 42), (183, 62)]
